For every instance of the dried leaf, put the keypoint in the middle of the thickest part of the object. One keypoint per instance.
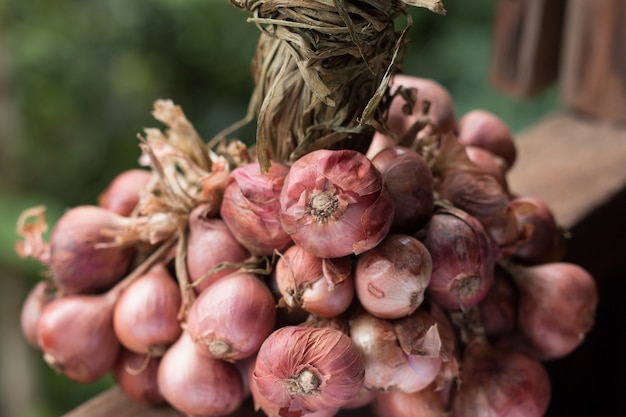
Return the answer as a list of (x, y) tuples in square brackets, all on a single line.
[(31, 226), (181, 132), (432, 5)]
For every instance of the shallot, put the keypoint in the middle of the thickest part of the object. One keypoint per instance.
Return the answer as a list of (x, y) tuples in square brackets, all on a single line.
[(136, 375), (90, 350), (463, 258), (232, 317), (557, 306), (391, 278), (498, 309), (42, 293), (387, 366), (250, 207), (334, 203), (145, 317), (78, 261), (483, 129), (198, 385), (306, 369), (273, 410), (541, 238), (212, 250), (423, 403), (410, 184), (500, 383), (479, 194), (489, 163), (321, 286), (417, 103), (123, 193), (429, 98)]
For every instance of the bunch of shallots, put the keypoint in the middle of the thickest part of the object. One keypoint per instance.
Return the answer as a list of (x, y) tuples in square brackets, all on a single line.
[(409, 280)]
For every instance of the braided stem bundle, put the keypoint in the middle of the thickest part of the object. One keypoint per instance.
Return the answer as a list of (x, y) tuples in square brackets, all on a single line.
[(321, 71)]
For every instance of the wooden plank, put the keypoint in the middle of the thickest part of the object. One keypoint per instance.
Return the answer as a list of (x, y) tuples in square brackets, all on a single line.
[(593, 74), (114, 402), (526, 45)]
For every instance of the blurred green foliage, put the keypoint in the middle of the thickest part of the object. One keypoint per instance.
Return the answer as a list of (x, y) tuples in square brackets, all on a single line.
[(81, 78), (87, 73)]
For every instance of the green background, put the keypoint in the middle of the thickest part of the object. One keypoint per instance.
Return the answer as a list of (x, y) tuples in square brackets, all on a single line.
[(77, 83)]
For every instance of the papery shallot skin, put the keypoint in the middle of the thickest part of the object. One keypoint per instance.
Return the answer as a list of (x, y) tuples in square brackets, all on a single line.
[(273, 410), (388, 366), (250, 208), (309, 369), (334, 203)]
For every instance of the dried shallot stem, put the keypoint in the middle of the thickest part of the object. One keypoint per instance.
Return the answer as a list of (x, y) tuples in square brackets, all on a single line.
[(144, 266), (31, 226), (181, 132), (253, 265), (322, 70), (186, 290), (468, 323)]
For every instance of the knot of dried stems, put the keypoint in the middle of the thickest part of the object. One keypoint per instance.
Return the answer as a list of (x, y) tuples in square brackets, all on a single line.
[(321, 71)]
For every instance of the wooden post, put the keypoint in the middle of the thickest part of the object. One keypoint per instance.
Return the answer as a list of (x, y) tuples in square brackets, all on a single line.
[(593, 71), (526, 45)]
